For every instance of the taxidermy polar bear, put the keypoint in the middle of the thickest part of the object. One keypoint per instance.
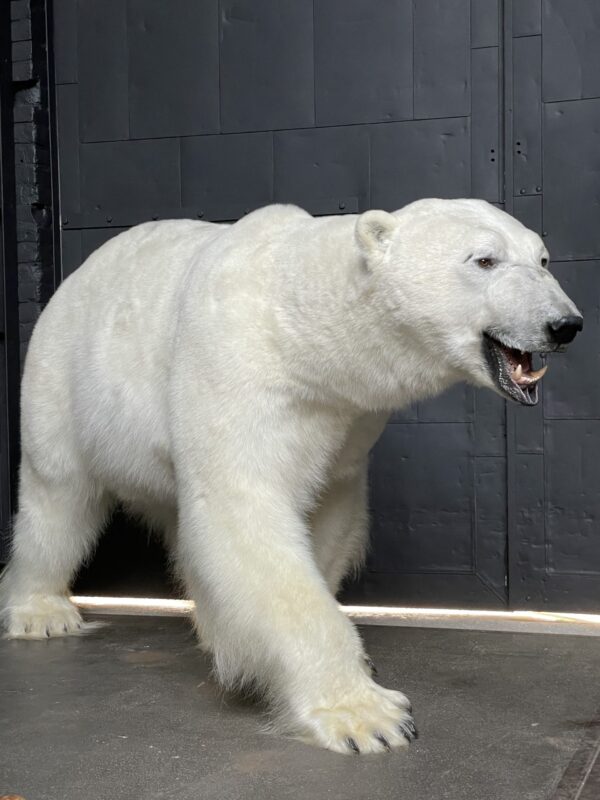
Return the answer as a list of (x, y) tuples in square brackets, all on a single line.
[(228, 382)]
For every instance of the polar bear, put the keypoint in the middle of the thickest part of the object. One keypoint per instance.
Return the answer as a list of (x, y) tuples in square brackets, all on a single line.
[(228, 382)]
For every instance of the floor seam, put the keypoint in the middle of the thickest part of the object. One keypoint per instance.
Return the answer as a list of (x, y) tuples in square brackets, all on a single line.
[(584, 765)]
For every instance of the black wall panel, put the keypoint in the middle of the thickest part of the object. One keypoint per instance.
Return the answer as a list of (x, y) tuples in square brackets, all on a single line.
[(571, 482), (433, 539), (442, 56), (486, 161), (572, 388), (485, 23), (103, 70), (363, 61), (527, 65), (571, 168), (267, 65), (420, 158), (489, 543), (210, 108), (325, 170), (65, 41), (528, 210), (455, 405), (526, 17), (67, 113), (70, 252), (164, 53), (132, 175), (572, 49), (220, 171), (490, 424)]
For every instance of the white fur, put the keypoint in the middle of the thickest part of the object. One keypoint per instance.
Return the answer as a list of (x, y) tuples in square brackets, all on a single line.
[(227, 382)]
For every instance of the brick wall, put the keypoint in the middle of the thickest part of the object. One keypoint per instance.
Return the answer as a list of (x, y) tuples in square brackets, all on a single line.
[(32, 163)]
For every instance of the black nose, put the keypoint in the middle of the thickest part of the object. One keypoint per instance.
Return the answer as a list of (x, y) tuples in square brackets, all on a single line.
[(565, 329)]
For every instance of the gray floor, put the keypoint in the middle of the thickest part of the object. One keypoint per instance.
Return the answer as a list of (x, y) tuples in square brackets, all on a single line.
[(131, 712)]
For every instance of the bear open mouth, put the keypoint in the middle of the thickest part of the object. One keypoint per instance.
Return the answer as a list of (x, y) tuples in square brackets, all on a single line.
[(512, 371)]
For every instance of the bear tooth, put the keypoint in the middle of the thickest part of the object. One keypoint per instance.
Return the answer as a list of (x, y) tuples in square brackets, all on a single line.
[(539, 373), (517, 373)]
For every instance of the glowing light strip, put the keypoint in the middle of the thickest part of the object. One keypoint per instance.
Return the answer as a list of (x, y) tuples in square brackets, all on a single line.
[(531, 616), (134, 604), (170, 606)]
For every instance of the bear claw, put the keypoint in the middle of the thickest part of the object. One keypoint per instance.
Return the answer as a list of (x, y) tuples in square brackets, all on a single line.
[(381, 738), (352, 745), (371, 665), (408, 730)]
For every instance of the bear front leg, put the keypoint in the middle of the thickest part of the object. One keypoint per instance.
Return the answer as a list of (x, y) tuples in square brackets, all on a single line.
[(340, 532), (340, 527), (271, 622)]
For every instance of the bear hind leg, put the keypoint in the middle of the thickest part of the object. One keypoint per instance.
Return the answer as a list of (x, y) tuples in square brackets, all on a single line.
[(56, 528)]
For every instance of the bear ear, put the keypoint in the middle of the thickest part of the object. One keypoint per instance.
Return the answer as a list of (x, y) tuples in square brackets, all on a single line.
[(373, 231)]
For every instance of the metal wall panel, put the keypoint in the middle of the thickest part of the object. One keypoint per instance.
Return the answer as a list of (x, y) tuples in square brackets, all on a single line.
[(572, 386), (455, 547), (70, 251), (527, 550), (412, 535), (528, 210), (421, 158), (571, 481), (489, 544), (224, 176), (325, 170), (485, 23), (486, 152), (490, 424), (442, 58), (571, 167), (65, 41), (572, 49), (267, 65), (455, 405), (529, 426), (376, 86), (527, 119), (67, 112), (103, 70), (129, 175), (527, 17), (164, 53)]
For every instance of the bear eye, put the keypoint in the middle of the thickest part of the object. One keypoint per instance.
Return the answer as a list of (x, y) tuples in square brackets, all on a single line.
[(544, 262), (485, 262)]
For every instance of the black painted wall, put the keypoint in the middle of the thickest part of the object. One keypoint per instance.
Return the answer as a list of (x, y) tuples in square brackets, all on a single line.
[(209, 108)]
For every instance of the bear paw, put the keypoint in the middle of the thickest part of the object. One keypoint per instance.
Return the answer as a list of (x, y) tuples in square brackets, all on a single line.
[(44, 616), (374, 720)]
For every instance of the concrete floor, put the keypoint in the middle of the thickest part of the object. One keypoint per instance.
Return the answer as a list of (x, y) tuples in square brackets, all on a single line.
[(131, 712)]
